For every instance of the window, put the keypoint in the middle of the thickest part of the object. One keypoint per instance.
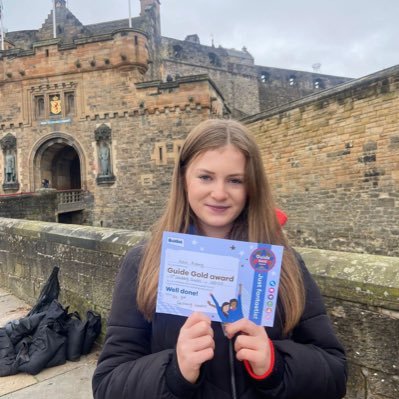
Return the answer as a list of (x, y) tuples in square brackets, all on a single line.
[(318, 84), (39, 107), (177, 51), (264, 77), (69, 103), (214, 59)]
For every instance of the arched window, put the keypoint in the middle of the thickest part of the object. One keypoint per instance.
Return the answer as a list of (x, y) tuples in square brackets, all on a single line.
[(39, 107), (69, 103)]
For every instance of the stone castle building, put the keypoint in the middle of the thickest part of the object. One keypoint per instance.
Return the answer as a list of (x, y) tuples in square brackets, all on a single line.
[(98, 113)]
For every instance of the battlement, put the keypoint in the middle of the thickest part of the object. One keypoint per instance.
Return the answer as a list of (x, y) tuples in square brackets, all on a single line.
[(123, 48), (182, 94), (188, 94), (190, 51)]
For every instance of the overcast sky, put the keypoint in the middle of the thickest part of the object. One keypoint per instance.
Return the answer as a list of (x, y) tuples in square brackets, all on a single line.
[(350, 38)]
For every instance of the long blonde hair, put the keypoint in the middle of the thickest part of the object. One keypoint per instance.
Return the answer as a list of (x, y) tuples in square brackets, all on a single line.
[(257, 222)]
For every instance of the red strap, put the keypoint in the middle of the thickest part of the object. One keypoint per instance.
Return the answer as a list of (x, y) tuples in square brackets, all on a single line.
[(268, 371)]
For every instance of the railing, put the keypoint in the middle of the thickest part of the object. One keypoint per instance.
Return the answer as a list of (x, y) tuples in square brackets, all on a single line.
[(70, 200)]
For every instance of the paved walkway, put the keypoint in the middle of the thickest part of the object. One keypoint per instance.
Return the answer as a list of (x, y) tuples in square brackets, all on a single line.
[(72, 380)]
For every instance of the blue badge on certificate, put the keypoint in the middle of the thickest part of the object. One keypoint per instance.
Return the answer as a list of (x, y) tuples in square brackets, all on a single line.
[(226, 279)]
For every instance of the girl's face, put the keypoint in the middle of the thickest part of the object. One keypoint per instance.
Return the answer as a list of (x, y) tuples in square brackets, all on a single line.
[(216, 190)]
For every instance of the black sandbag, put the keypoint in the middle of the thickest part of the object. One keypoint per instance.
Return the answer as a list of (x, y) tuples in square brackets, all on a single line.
[(56, 316), (76, 336), (49, 292), (7, 355), (47, 336), (8, 366), (18, 329), (93, 330), (6, 345), (26, 341), (59, 357), (33, 358)]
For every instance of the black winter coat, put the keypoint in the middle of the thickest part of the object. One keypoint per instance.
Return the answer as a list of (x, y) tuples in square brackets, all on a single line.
[(139, 358)]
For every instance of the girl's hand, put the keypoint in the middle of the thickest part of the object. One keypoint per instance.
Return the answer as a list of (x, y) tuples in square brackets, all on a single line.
[(252, 344), (195, 345)]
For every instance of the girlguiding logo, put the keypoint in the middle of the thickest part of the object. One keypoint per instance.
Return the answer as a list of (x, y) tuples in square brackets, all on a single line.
[(262, 259)]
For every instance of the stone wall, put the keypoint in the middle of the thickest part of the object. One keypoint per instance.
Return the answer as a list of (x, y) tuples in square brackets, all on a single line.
[(332, 159), (88, 259), (247, 88), (146, 146), (362, 296), (279, 86), (234, 76), (361, 291), (41, 205)]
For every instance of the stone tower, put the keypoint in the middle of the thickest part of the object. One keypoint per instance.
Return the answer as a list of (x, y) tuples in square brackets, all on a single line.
[(152, 7), (150, 10)]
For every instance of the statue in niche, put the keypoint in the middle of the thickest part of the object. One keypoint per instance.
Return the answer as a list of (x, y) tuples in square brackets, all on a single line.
[(10, 167), (104, 156), (103, 138)]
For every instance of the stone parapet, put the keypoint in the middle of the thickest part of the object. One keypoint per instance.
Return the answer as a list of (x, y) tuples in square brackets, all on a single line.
[(361, 292), (88, 259), (362, 278), (41, 205)]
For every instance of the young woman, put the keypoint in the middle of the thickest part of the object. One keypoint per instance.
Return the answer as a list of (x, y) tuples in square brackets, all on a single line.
[(219, 189)]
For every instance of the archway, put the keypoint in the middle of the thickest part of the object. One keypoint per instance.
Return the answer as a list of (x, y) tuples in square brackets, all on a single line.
[(58, 158), (61, 166)]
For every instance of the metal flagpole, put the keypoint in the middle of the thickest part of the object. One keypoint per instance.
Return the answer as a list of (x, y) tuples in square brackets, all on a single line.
[(130, 14), (1, 24), (54, 26)]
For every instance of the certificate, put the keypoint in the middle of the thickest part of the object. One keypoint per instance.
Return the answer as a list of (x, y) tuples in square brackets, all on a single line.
[(225, 279)]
